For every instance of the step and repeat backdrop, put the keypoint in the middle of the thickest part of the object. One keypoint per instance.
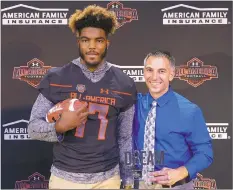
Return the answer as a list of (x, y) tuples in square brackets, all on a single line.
[(35, 37)]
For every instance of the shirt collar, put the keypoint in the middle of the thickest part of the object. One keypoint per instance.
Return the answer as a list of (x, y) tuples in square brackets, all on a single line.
[(161, 101)]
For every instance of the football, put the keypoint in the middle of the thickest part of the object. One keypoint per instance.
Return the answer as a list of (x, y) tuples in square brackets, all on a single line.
[(67, 105)]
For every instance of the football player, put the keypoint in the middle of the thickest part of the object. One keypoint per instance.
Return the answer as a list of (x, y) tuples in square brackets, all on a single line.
[(90, 142)]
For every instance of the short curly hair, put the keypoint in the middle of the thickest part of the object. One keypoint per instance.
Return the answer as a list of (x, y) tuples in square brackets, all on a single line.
[(93, 16)]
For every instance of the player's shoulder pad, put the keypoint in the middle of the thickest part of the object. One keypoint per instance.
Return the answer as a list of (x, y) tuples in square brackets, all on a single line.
[(123, 78), (53, 76), (59, 71)]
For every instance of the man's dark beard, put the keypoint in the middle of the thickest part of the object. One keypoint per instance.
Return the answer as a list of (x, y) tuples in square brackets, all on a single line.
[(93, 65)]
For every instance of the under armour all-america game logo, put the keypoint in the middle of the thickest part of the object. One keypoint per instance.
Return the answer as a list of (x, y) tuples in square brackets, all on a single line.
[(195, 72), (32, 73), (204, 183), (34, 181), (124, 15)]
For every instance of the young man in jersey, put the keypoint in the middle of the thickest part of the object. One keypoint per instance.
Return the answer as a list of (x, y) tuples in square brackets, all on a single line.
[(89, 143)]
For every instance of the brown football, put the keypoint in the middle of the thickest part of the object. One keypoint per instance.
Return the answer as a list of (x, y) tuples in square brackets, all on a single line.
[(67, 105)]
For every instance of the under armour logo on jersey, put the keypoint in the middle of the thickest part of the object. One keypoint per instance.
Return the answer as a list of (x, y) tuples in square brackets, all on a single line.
[(36, 178), (35, 64), (104, 91), (115, 6)]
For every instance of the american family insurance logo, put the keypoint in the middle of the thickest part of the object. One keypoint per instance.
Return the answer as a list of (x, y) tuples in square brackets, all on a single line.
[(16, 130), (189, 15), (195, 72), (124, 15), (32, 73), (28, 15), (218, 130), (204, 183), (134, 72), (34, 181)]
